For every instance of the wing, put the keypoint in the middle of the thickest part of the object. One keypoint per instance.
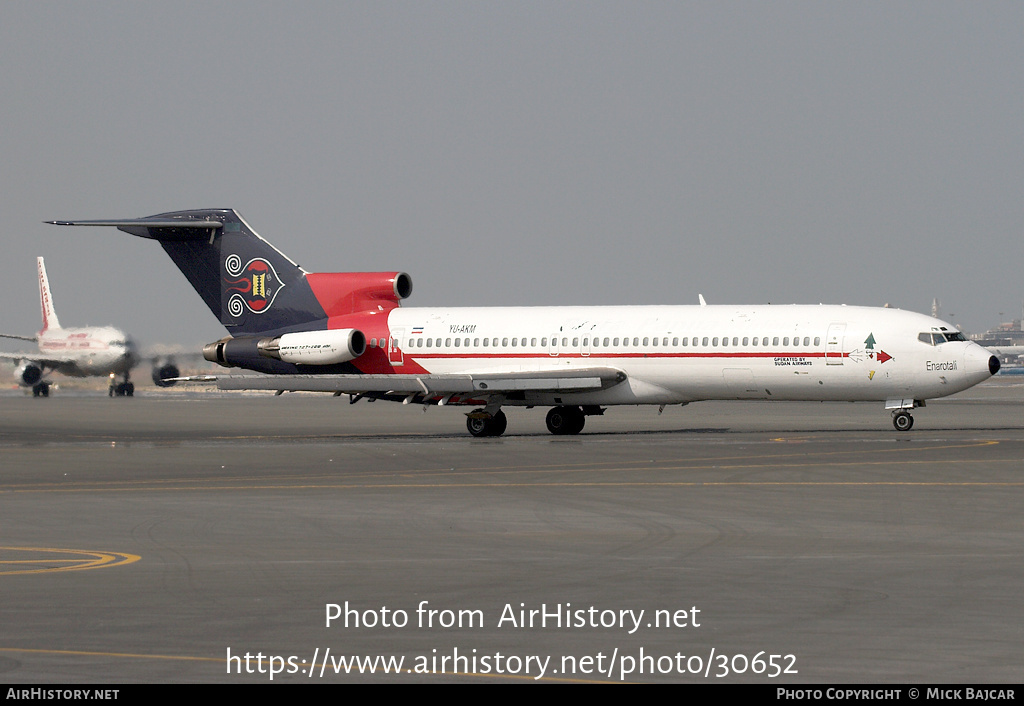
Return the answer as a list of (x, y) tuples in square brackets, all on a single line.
[(426, 386), (35, 358), (34, 339)]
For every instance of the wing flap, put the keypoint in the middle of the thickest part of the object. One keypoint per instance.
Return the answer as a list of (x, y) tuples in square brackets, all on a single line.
[(494, 383)]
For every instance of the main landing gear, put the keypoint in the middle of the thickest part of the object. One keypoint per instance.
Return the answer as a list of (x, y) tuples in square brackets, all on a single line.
[(120, 389), (480, 423), (41, 389), (563, 421)]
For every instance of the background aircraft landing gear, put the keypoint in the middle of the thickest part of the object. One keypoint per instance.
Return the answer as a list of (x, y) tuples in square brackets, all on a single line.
[(565, 420), (121, 389), (480, 426), (902, 420), (41, 389)]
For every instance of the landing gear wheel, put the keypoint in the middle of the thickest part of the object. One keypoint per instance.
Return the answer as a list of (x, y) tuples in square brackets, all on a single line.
[(903, 421), (477, 427), (480, 427), (41, 389), (563, 421), (498, 424), (129, 389)]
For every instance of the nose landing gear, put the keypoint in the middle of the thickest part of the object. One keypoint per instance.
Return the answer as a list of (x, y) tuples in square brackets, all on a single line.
[(902, 420), (120, 389)]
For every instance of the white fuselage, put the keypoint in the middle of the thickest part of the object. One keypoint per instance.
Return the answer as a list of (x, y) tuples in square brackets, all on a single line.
[(88, 351), (678, 354)]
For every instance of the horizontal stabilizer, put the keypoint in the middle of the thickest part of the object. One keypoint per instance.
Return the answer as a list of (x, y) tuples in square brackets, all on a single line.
[(155, 228)]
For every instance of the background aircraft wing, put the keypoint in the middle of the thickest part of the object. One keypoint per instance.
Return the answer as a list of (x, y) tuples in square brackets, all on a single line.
[(35, 358), (34, 339)]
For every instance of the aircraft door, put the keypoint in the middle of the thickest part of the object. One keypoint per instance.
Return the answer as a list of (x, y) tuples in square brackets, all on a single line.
[(395, 356), (553, 347), (834, 344)]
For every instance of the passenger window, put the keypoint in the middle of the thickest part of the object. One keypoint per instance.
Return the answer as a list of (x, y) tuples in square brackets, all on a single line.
[(654, 342), (817, 340), (636, 342), (476, 342), (705, 342), (785, 341), (807, 340), (457, 341), (544, 342), (725, 341), (429, 341), (513, 342), (504, 343), (714, 341), (533, 342)]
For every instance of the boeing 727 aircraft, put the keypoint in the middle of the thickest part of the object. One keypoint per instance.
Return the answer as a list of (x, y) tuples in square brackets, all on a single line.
[(78, 352), (348, 333)]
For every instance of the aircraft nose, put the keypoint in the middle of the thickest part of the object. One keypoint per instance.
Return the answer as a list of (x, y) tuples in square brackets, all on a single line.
[(980, 362)]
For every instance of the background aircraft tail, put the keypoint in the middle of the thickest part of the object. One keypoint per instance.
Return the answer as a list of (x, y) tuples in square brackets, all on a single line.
[(45, 299), (249, 285)]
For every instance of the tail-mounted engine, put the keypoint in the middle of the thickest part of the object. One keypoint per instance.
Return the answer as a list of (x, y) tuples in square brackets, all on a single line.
[(342, 293), (302, 348)]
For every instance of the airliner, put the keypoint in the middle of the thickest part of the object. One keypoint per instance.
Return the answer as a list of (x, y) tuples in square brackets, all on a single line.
[(347, 333), (78, 352)]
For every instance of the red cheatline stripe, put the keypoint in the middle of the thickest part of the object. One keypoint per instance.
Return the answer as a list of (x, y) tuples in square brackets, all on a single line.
[(415, 353)]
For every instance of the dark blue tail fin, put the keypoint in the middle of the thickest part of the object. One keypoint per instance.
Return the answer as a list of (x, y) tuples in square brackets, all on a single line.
[(249, 285)]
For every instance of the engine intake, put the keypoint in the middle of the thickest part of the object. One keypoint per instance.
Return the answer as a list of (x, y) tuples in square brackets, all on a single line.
[(28, 374)]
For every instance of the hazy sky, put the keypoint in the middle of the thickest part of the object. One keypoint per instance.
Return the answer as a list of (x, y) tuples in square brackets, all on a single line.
[(522, 152)]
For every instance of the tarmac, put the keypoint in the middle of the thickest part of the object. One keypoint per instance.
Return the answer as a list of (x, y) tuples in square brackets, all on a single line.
[(202, 537)]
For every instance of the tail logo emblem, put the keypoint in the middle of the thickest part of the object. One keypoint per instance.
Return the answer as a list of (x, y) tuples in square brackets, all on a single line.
[(253, 286)]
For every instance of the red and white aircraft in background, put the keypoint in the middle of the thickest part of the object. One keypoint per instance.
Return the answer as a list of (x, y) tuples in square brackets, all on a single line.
[(78, 352), (347, 333)]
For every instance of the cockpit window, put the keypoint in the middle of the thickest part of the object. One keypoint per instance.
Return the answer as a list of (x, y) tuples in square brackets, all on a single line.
[(936, 339)]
